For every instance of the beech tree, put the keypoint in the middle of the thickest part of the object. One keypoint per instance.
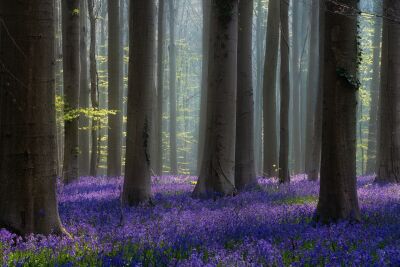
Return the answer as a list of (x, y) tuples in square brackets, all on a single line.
[(172, 90), (313, 82), (389, 115), (160, 87), (137, 183), (338, 192), (27, 118), (218, 162), (206, 6), (93, 89), (245, 173), (114, 147), (269, 90), (84, 133), (71, 72), (285, 95), (375, 88)]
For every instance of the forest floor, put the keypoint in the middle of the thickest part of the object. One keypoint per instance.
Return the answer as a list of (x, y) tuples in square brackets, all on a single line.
[(268, 227)]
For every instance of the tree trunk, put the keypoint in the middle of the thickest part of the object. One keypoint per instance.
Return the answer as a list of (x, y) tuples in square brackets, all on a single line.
[(375, 88), (137, 184), (84, 136), (160, 87), (285, 95), (245, 175), (338, 190), (295, 109), (269, 88), (217, 168), (206, 4), (312, 90), (172, 90), (315, 161), (71, 71), (258, 123), (27, 118), (114, 91), (389, 115), (93, 88)]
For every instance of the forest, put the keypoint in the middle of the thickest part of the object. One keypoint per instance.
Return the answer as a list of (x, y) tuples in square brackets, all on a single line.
[(199, 133)]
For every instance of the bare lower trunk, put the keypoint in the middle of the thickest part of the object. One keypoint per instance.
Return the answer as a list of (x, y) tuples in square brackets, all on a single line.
[(285, 96), (204, 82), (312, 90), (374, 92), (245, 175), (71, 71), (114, 147), (84, 153), (338, 192), (172, 91), (137, 183), (389, 115), (269, 90), (93, 89), (27, 118), (217, 168), (160, 87)]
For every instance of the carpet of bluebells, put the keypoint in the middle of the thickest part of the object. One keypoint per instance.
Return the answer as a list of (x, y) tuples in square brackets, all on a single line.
[(271, 226)]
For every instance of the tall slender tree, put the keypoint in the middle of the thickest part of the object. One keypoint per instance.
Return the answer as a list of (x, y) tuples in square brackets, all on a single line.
[(84, 133), (285, 94), (93, 89), (172, 89), (137, 183), (295, 102), (218, 163), (374, 92), (269, 90), (114, 150), (338, 192), (245, 174), (206, 5), (27, 118), (71, 72), (312, 84), (389, 97), (259, 61), (160, 87)]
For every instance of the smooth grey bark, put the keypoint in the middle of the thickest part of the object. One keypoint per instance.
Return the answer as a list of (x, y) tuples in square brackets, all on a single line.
[(206, 5), (71, 72), (313, 173), (285, 95), (173, 157), (388, 169), (218, 163), (258, 120), (295, 117), (137, 183), (312, 91), (160, 88), (338, 190), (59, 84), (93, 89), (245, 173), (114, 147), (269, 90), (374, 92), (27, 118), (84, 133)]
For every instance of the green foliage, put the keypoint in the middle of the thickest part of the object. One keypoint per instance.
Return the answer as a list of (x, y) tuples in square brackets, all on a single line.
[(94, 114), (75, 12)]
